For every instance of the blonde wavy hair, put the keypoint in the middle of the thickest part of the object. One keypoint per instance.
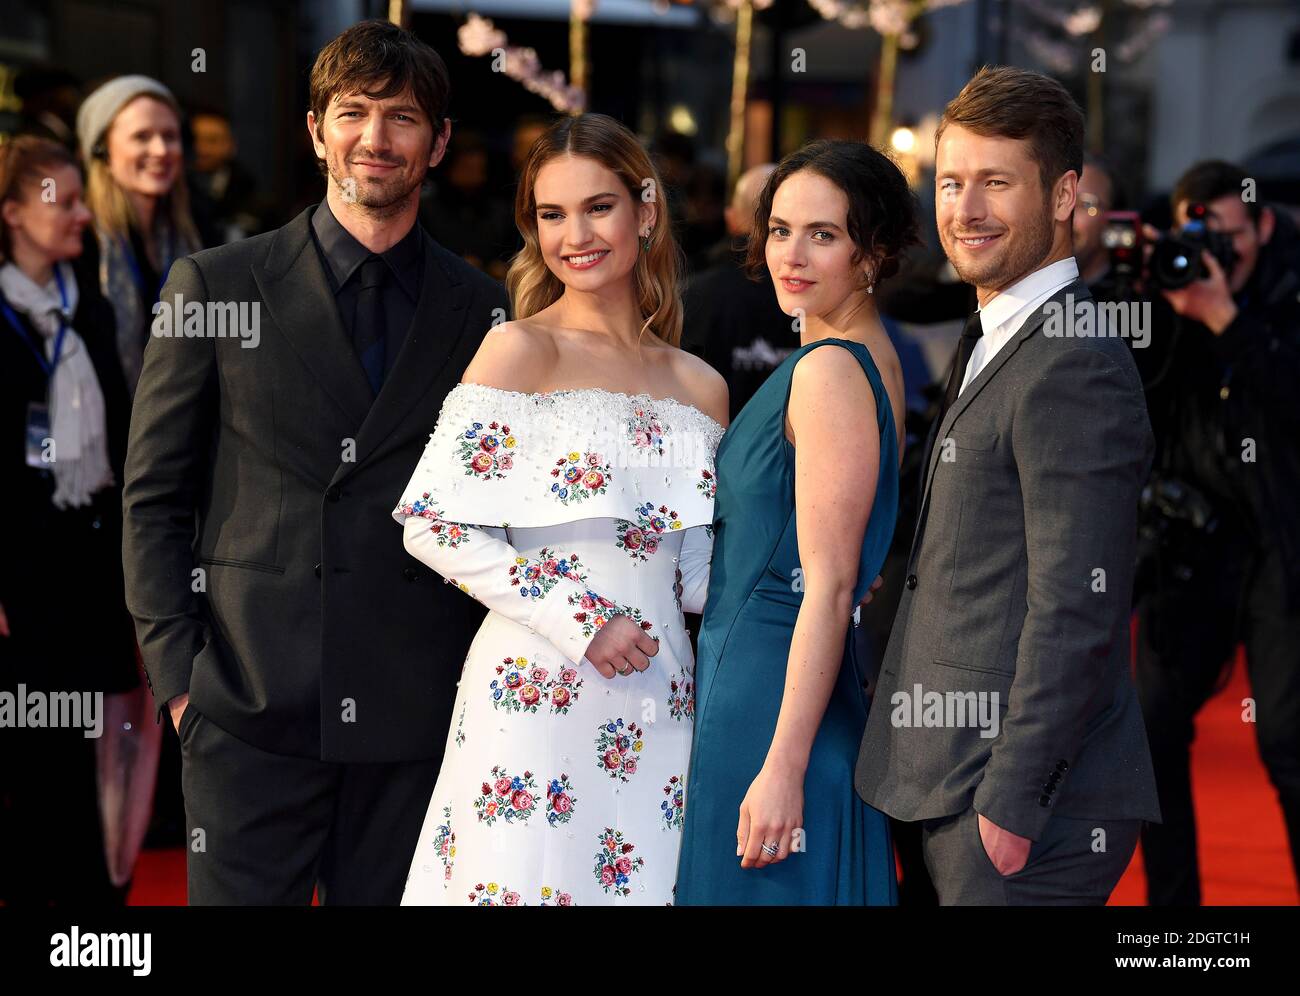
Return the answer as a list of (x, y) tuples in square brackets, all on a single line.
[(108, 202), (530, 282)]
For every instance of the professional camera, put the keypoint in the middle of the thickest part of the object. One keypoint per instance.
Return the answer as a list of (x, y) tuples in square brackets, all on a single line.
[(1175, 259)]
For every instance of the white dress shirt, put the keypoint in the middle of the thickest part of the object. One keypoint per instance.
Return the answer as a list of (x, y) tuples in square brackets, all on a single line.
[(1004, 314)]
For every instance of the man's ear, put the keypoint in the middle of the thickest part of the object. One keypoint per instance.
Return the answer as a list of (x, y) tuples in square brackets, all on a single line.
[(1266, 225), (316, 143), (1066, 193), (440, 141)]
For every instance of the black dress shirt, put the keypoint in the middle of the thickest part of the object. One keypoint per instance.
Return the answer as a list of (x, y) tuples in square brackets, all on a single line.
[(343, 255)]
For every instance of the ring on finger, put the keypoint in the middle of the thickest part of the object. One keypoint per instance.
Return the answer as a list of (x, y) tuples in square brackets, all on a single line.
[(770, 849)]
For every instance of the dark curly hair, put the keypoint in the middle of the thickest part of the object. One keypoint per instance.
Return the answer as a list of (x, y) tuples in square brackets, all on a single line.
[(882, 217)]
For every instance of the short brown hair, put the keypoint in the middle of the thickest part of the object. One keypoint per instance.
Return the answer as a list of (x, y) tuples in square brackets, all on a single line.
[(1007, 102), (380, 60), (23, 160)]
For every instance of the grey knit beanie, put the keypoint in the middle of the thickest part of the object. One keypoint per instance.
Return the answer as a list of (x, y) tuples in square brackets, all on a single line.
[(98, 110)]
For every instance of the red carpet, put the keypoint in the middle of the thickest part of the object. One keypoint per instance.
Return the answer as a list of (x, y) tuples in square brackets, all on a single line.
[(1244, 859), (1240, 833)]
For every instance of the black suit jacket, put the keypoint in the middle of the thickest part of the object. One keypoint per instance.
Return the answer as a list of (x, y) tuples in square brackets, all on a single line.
[(263, 569)]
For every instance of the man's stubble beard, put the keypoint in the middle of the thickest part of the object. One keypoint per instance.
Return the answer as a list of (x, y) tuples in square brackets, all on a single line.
[(1023, 255), (376, 200)]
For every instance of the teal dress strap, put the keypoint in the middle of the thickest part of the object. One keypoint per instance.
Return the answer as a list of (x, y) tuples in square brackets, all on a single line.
[(884, 508)]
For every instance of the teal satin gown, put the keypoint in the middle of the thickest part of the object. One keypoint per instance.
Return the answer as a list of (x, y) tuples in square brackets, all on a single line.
[(749, 618)]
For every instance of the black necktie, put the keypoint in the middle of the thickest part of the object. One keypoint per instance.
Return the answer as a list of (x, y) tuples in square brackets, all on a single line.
[(970, 335), (368, 324)]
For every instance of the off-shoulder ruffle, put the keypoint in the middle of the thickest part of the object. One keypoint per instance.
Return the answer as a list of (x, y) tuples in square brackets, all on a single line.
[(509, 458)]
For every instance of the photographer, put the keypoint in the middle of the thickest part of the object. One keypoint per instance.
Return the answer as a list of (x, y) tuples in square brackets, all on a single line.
[(1221, 518)]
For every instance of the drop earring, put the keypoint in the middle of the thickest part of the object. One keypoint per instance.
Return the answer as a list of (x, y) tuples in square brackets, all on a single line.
[(645, 244)]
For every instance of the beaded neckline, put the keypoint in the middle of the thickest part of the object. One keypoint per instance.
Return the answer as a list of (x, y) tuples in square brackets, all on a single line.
[(598, 392)]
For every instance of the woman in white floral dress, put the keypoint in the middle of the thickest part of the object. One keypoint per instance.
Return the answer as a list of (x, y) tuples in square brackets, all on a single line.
[(569, 487)]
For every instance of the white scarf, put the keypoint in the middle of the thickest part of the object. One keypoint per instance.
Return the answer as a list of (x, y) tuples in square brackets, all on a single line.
[(77, 424)]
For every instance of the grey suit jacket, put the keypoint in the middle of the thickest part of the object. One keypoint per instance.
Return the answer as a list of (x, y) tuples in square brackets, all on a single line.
[(1019, 586)]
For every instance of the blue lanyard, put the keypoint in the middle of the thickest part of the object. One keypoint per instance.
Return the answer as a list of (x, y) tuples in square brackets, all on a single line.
[(46, 365), (137, 276)]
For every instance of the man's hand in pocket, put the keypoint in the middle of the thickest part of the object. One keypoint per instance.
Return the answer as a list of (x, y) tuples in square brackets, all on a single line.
[(177, 709)]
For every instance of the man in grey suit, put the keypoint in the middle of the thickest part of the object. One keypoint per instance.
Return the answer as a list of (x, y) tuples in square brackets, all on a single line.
[(1005, 718)]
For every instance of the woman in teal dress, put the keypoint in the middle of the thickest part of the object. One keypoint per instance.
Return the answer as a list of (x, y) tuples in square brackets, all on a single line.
[(807, 496)]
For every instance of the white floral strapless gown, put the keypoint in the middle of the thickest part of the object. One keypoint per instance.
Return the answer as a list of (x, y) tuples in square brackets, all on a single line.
[(559, 511)]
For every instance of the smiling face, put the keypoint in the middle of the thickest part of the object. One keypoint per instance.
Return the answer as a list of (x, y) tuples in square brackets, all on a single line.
[(377, 152), (48, 230), (144, 147), (995, 220), (588, 226), (809, 253)]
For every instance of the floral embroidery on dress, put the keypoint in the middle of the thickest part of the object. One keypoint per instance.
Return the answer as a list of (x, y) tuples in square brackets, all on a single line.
[(597, 610), (462, 586), (563, 689), (521, 687), (707, 485), (641, 538), (550, 897), (617, 749), (449, 534), (507, 796), (681, 696), (494, 895), (614, 863), (673, 807), (518, 688), (579, 477), (560, 801), (534, 578), (645, 430), (460, 726), (444, 843), (486, 452)]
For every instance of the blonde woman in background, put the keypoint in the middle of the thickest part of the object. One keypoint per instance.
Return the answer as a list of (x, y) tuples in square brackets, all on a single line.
[(130, 135)]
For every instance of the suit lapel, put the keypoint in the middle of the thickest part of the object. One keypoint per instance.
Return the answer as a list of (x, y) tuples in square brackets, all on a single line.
[(1079, 291), (430, 341), (301, 302)]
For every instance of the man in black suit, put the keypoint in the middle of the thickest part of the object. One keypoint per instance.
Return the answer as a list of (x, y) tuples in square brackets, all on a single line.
[(308, 663)]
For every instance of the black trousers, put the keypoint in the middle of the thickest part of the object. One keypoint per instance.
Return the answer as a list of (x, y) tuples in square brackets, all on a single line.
[(1186, 636), (266, 829)]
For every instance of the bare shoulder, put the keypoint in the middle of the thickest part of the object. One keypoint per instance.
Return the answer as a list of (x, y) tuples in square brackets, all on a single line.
[(514, 356), (829, 383), (706, 388)]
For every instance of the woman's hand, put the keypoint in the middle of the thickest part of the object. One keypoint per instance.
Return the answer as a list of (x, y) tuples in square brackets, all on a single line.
[(620, 647), (770, 813)]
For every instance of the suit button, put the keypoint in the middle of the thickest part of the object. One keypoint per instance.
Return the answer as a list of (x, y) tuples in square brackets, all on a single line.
[(411, 574), (1061, 766), (911, 581), (1044, 800), (334, 493), (317, 570)]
